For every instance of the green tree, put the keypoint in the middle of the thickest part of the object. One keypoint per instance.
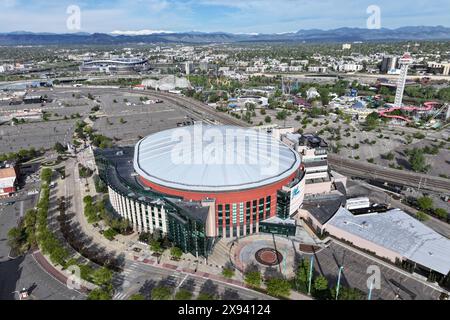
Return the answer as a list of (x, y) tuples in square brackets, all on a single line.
[(228, 273), (348, 294), (372, 120), (417, 160), (253, 278), (110, 234), (176, 253), (155, 246), (183, 294), (161, 293), (425, 203), (137, 297), (282, 115), (59, 148), (320, 283), (268, 119), (16, 237), (99, 294), (278, 287), (205, 296), (102, 276), (441, 213), (422, 216)]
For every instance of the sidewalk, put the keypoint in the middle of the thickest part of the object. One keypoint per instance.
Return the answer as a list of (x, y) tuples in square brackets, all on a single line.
[(59, 274)]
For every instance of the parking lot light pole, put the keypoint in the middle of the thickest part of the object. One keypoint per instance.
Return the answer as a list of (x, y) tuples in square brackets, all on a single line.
[(339, 282), (311, 268)]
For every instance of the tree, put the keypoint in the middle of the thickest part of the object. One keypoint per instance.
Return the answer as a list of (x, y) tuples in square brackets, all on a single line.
[(268, 119), (102, 276), (372, 120), (425, 203), (228, 273), (155, 246), (110, 234), (59, 148), (161, 293), (59, 255), (205, 296), (176, 253), (422, 216), (441, 213), (99, 294), (417, 160), (282, 115), (389, 156), (183, 294), (320, 283), (348, 294), (15, 238), (137, 297), (253, 278), (278, 287)]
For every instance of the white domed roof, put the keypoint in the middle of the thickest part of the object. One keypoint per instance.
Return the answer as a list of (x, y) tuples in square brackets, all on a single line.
[(214, 159)]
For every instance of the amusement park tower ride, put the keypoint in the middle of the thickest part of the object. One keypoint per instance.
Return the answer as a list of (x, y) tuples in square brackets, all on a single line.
[(405, 62)]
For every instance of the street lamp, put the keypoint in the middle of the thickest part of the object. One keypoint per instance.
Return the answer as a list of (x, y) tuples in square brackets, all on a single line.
[(311, 268), (339, 282)]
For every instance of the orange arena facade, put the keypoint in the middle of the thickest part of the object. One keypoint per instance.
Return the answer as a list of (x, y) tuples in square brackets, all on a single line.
[(258, 204)]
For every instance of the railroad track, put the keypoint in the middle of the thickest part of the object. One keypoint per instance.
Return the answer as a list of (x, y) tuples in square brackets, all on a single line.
[(366, 170), (200, 109)]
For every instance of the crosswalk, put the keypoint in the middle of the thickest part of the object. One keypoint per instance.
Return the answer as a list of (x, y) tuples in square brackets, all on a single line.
[(120, 296)]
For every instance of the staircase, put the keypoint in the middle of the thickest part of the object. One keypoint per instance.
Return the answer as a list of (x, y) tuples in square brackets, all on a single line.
[(221, 253)]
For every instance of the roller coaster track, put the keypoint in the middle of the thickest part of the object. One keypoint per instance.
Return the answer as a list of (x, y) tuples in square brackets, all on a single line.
[(428, 106), (371, 171)]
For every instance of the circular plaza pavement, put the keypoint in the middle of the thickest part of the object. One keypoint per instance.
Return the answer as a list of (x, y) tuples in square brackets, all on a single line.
[(268, 256)]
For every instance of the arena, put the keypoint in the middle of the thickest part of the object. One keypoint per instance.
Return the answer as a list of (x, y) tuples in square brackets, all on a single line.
[(241, 170), (198, 184)]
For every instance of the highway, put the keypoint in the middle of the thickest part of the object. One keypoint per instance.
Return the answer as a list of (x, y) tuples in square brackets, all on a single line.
[(372, 171)]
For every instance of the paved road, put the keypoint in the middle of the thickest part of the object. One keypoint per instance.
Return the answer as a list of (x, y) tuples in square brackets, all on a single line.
[(140, 277), (25, 272)]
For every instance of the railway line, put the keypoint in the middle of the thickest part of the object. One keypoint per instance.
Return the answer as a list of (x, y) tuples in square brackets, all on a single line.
[(201, 110), (371, 171)]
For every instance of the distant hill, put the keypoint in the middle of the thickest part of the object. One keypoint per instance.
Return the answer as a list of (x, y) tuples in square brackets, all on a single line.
[(335, 35)]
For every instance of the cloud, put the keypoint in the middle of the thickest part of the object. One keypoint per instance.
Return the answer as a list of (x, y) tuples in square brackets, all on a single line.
[(243, 16)]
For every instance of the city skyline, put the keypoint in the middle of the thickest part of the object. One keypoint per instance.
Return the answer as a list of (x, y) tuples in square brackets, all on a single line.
[(255, 16)]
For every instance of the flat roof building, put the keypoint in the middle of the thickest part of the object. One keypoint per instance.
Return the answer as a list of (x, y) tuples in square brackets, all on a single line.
[(393, 235), (8, 181)]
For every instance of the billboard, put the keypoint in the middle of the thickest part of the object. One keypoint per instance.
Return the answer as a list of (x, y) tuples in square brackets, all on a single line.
[(297, 196)]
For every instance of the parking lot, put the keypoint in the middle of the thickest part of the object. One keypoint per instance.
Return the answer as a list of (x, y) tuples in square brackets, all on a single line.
[(394, 284), (122, 116)]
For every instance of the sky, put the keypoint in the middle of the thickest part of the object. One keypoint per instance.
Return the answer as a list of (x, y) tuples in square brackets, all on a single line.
[(235, 16)]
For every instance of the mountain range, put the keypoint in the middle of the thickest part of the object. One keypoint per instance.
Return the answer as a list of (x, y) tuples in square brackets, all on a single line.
[(310, 36)]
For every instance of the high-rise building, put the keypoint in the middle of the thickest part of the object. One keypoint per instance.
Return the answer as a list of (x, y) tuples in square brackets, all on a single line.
[(389, 63)]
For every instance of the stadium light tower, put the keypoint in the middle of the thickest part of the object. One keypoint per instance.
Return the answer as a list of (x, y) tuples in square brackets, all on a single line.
[(405, 62)]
